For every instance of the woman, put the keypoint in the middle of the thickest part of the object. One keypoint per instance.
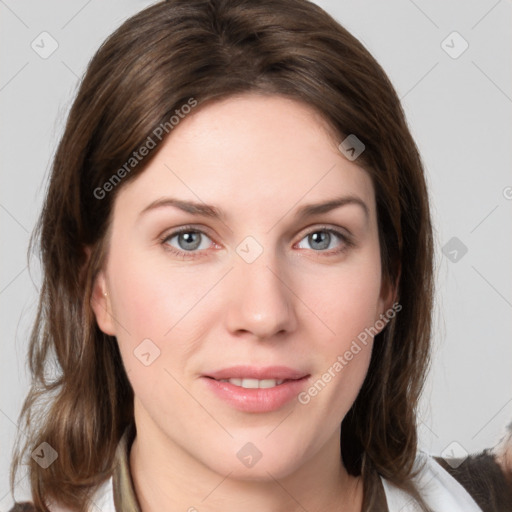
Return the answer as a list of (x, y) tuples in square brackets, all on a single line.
[(237, 256)]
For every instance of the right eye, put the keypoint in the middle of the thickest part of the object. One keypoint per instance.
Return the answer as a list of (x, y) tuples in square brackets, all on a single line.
[(187, 240)]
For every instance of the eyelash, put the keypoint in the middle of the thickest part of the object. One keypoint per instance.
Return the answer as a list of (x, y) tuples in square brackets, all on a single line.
[(183, 254), (345, 239)]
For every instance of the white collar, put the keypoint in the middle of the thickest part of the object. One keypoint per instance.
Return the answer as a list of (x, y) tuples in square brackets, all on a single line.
[(440, 490)]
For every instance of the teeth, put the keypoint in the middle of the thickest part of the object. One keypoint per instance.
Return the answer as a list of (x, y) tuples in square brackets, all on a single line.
[(254, 383)]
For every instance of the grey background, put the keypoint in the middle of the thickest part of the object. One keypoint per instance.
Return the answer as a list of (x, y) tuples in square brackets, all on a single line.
[(459, 110)]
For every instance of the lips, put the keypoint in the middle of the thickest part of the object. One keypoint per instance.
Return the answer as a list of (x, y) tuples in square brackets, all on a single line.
[(259, 373), (255, 383), (256, 389)]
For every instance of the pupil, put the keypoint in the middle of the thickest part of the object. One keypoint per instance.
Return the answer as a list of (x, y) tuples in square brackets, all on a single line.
[(319, 240), (189, 240)]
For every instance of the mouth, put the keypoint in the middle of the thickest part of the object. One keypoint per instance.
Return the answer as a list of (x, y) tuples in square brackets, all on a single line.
[(258, 373), (256, 390), (248, 383)]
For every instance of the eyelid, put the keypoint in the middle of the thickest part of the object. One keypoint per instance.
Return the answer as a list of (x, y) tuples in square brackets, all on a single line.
[(345, 236), (168, 234), (313, 228)]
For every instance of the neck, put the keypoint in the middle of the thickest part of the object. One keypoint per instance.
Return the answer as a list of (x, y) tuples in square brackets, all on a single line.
[(167, 478)]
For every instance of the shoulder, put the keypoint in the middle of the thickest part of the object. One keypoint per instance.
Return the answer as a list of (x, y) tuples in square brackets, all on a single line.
[(483, 478), (25, 506), (101, 500), (475, 484), (28, 506)]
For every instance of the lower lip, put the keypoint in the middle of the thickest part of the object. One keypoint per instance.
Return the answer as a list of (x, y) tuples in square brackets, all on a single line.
[(256, 400)]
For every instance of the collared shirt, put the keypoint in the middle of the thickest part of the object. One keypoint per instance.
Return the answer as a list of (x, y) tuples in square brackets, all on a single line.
[(476, 485), (123, 496), (440, 490)]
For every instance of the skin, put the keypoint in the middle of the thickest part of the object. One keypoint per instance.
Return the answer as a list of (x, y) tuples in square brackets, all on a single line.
[(259, 159)]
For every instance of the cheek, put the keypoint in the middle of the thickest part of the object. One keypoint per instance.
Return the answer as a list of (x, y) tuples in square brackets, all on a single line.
[(150, 298), (157, 302), (346, 300), (348, 307), (345, 305)]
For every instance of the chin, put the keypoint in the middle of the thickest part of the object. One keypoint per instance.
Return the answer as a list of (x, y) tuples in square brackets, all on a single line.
[(264, 473), (247, 462)]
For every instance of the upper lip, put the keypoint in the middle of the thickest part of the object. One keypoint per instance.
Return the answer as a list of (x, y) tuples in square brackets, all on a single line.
[(255, 372)]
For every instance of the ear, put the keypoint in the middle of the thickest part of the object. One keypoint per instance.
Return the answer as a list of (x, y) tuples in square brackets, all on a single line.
[(387, 301), (101, 302)]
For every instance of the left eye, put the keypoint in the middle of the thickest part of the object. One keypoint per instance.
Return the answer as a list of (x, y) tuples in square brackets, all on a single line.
[(321, 240), (189, 241)]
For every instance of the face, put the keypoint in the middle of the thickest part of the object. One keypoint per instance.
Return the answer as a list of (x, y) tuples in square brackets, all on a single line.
[(248, 250)]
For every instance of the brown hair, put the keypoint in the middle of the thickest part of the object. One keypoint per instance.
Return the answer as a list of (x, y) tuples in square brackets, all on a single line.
[(152, 65)]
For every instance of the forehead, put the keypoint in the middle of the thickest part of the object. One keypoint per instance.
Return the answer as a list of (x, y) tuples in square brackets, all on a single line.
[(250, 153)]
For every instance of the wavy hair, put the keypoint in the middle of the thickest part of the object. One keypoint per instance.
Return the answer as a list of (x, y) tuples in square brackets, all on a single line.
[(80, 400)]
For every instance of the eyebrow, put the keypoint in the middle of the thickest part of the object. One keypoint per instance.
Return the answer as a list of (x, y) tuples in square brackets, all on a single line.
[(309, 210), (206, 210), (191, 207)]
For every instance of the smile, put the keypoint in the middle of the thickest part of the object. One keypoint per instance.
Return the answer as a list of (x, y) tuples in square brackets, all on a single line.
[(254, 383)]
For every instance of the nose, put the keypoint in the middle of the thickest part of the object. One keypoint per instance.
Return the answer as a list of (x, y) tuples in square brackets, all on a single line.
[(261, 302)]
